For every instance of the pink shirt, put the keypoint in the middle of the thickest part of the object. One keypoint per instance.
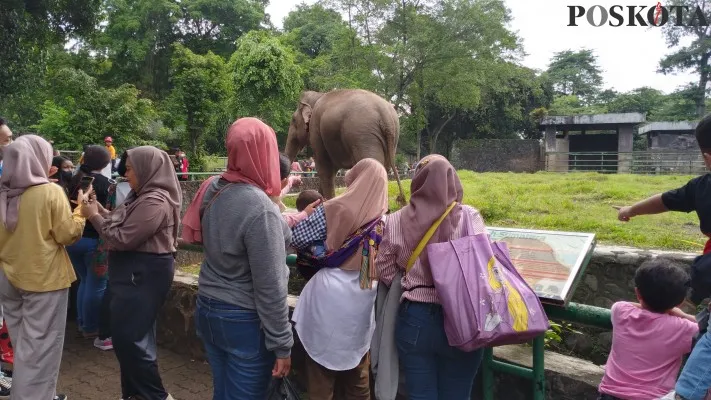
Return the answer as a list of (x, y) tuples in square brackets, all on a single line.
[(392, 256), (646, 352)]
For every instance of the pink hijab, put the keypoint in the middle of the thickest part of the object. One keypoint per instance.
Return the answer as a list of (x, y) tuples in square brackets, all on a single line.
[(434, 187), (365, 199), (26, 163), (252, 158)]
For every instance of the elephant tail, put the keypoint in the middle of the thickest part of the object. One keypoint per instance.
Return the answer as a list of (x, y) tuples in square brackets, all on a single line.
[(391, 138)]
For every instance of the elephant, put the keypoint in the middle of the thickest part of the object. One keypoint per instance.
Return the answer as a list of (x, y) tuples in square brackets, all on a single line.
[(343, 127)]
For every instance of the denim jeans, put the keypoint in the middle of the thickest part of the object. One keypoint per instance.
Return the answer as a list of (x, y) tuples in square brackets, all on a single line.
[(695, 379), (91, 287), (433, 369), (235, 347)]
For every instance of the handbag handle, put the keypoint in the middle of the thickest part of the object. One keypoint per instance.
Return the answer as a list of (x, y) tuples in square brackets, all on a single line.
[(428, 235)]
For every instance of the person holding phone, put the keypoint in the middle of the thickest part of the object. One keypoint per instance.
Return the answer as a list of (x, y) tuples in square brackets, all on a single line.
[(92, 283), (141, 236), (36, 223)]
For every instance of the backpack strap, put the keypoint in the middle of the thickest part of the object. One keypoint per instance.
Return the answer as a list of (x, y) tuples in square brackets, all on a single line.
[(428, 235), (212, 200)]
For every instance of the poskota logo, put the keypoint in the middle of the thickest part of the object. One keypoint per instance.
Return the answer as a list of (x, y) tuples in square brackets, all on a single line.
[(617, 15)]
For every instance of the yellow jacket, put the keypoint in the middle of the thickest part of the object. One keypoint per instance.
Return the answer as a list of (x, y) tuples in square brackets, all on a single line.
[(33, 257)]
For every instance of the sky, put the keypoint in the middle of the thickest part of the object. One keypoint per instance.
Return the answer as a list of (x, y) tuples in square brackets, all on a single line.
[(628, 56)]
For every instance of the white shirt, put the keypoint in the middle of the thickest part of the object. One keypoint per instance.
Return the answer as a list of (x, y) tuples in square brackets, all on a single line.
[(335, 318)]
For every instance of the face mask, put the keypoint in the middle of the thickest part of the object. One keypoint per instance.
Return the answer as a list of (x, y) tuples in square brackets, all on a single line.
[(65, 176)]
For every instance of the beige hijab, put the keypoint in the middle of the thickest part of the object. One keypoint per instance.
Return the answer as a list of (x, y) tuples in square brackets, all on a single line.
[(26, 163), (156, 179), (365, 199)]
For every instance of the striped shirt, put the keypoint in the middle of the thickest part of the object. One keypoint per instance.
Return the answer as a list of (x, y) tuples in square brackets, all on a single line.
[(392, 257)]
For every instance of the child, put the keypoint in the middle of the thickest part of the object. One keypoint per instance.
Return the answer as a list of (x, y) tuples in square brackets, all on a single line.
[(309, 199), (695, 379), (649, 338)]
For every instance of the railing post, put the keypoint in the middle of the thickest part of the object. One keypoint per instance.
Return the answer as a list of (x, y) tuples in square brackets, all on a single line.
[(539, 368), (487, 374)]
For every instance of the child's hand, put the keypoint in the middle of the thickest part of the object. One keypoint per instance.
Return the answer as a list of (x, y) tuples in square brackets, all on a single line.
[(311, 207), (624, 214)]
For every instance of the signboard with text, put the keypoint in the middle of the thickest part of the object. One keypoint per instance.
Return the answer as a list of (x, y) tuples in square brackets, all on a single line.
[(551, 262)]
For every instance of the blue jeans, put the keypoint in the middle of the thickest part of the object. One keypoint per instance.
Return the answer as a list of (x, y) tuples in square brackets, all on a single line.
[(695, 379), (235, 347), (91, 287), (433, 369)]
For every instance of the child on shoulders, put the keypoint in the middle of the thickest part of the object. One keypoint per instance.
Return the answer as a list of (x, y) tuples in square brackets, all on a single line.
[(649, 338)]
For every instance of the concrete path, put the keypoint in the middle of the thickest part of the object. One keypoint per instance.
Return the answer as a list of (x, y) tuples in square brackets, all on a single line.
[(88, 373)]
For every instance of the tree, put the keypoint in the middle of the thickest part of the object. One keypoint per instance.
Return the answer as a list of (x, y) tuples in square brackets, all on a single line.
[(78, 111), (138, 40), (576, 73), (642, 100), (694, 56), (267, 81), (215, 25), (29, 28), (201, 88)]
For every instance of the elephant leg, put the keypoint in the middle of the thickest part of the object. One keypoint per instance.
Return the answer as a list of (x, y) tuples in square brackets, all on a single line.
[(327, 177)]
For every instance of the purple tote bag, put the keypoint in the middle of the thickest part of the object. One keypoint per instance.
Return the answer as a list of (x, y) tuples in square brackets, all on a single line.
[(485, 300)]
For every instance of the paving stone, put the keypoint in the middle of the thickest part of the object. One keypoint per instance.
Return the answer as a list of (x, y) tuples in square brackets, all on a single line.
[(88, 373)]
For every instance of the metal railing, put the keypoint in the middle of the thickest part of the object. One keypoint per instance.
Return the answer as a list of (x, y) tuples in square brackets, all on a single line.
[(576, 313), (638, 162)]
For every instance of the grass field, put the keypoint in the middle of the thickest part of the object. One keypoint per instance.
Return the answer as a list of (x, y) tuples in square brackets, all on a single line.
[(579, 202)]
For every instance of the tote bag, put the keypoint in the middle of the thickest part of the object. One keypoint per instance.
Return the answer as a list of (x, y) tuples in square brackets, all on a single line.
[(485, 300)]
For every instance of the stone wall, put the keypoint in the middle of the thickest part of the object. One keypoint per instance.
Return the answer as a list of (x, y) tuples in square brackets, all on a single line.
[(498, 155)]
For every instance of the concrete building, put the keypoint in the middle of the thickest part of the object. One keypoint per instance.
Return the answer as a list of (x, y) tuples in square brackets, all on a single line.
[(669, 135), (610, 133)]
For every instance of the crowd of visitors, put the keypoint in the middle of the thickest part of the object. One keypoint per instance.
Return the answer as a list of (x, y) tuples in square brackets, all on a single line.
[(119, 238)]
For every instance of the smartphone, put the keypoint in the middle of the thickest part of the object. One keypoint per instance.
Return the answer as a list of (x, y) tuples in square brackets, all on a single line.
[(85, 183)]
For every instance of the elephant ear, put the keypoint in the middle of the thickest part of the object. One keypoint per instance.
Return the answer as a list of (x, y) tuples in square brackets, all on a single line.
[(306, 112)]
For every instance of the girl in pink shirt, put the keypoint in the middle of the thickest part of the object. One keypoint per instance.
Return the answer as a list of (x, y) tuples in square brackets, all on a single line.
[(649, 338)]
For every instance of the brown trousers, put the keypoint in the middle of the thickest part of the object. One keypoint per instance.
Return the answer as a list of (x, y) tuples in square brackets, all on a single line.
[(324, 384)]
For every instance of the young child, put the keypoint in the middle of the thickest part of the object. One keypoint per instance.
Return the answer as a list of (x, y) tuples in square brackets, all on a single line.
[(695, 380), (649, 338), (309, 199)]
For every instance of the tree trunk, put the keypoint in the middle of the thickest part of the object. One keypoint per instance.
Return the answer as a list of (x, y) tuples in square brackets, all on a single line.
[(435, 134), (703, 80)]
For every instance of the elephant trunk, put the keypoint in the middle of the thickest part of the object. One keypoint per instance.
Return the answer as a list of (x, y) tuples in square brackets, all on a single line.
[(292, 149)]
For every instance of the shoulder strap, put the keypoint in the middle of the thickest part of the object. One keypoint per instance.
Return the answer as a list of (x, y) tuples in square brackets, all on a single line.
[(214, 197), (428, 235)]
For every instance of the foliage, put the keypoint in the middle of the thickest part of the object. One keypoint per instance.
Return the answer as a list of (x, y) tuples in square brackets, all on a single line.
[(267, 81), (695, 56), (576, 73), (554, 335), (78, 111), (199, 98)]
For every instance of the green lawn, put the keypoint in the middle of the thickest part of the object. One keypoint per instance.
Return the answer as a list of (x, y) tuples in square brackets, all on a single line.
[(577, 202)]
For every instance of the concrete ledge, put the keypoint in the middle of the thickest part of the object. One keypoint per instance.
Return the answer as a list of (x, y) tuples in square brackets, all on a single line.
[(567, 378)]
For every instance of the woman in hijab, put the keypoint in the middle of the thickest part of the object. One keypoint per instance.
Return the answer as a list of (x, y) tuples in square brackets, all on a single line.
[(334, 316), (92, 281), (141, 237), (64, 172), (36, 223), (433, 369), (242, 315)]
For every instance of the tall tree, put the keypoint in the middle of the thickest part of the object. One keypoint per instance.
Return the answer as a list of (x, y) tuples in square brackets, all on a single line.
[(201, 88), (576, 73), (696, 55), (267, 81)]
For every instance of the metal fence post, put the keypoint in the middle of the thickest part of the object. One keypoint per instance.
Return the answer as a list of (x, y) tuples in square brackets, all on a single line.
[(539, 368), (487, 374)]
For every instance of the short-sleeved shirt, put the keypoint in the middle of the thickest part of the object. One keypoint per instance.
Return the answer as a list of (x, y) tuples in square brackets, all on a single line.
[(646, 352), (694, 196)]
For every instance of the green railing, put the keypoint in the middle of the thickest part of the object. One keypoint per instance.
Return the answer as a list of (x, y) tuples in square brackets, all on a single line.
[(636, 162), (576, 313)]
